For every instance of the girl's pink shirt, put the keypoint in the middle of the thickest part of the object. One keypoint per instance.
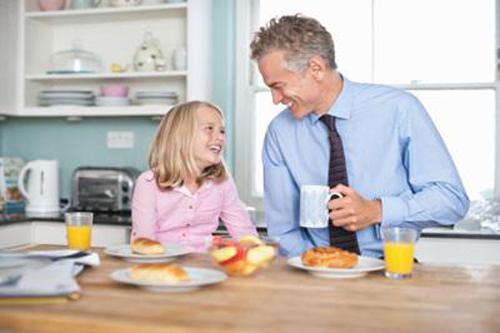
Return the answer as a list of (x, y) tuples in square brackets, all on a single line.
[(178, 216)]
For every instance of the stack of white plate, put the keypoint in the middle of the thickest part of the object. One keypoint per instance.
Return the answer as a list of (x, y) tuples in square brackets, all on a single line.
[(66, 97), (111, 101), (156, 97)]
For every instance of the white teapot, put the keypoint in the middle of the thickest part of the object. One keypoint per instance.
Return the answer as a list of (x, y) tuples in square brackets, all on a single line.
[(149, 57), (124, 3)]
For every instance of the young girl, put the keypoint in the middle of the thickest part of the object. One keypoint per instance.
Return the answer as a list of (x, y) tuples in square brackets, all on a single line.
[(181, 199)]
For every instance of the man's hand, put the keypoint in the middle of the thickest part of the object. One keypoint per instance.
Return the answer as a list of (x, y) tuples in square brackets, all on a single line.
[(353, 212)]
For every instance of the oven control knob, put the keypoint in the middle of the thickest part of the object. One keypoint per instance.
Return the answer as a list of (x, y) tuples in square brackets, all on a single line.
[(125, 187), (125, 200)]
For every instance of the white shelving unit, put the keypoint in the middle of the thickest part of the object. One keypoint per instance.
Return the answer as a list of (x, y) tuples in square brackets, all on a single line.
[(114, 34)]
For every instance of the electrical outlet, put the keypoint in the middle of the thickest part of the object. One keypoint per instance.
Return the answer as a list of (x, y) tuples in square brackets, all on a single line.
[(120, 140)]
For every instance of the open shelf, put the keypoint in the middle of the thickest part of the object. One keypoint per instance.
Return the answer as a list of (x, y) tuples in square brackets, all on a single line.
[(95, 111), (96, 15), (127, 75)]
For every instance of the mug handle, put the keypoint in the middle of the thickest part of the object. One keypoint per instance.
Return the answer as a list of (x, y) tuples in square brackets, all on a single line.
[(334, 195)]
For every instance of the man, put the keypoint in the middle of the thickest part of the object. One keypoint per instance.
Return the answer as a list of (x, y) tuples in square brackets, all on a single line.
[(398, 170)]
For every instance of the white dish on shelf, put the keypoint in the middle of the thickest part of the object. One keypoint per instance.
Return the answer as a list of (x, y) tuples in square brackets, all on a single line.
[(198, 277), (156, 94), (365, 265), (172, 251), (66, 101), (111, 101), (156, 101), (84, 94)]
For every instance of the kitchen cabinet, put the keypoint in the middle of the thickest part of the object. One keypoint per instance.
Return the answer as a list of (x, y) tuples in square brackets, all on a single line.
[(448, 250), (15, 235), (114, 34), (55, 233), (43, 232)]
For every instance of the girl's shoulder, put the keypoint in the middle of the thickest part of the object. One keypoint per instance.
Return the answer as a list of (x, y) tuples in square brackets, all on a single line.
[(223, 184), (146, 176)]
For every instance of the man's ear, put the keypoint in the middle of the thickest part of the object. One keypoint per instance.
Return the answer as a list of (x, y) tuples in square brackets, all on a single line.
[(317, 67)]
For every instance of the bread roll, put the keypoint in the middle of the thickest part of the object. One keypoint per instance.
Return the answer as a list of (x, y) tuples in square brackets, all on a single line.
[(158, 273), (329, 257), (146, 246)]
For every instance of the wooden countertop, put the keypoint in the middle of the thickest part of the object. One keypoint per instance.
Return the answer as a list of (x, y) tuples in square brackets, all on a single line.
[(279, 299)]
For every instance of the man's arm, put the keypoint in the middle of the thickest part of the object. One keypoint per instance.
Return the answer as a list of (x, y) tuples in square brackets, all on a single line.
[(436, 195), (281, 199)]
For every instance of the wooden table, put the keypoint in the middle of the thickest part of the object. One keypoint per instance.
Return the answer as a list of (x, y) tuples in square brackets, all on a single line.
[(280, 299)]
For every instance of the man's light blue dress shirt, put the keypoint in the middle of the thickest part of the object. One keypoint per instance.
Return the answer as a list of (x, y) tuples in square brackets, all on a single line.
[(393, 153)]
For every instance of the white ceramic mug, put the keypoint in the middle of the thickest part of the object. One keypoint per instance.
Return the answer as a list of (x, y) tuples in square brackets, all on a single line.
[(314, 205)]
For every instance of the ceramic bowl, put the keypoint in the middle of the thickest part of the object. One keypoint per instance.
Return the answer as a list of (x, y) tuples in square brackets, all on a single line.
[(114, 90)]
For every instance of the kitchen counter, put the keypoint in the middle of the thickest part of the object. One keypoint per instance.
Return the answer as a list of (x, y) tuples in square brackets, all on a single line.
[(437, 298), (125, 220), (102, 218)]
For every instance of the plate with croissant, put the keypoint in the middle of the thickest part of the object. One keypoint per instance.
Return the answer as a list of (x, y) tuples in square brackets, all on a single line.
[(168, 277), (144, 250), (335, 263)]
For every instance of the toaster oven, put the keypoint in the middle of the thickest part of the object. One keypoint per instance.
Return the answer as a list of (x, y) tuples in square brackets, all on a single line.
[(103, 189)]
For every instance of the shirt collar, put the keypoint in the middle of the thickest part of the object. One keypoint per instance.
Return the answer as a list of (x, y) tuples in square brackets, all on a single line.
[(184, 190), (342, 106)]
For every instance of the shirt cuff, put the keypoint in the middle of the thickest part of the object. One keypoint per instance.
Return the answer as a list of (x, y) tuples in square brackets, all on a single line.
[(394, 211)]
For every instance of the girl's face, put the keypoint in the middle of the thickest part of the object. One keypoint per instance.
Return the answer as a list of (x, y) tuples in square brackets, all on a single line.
[(210, 139)]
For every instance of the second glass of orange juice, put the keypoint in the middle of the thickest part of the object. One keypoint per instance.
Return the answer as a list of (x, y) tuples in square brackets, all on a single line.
[(399, 245), (79, 230)]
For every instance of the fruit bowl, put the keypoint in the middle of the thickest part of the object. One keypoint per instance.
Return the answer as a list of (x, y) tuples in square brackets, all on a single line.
[(242, 257)]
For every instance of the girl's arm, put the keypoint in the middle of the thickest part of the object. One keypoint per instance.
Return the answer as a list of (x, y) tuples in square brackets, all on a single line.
[(144, 207), (234, 214)]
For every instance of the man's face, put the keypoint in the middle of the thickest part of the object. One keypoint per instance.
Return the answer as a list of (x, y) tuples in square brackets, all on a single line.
[(296, 90)]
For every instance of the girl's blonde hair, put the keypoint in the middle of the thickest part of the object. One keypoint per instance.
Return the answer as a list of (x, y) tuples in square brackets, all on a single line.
[(171, 156)]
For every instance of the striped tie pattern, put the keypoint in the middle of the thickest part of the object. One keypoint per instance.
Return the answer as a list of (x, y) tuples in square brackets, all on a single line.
[(337, 174)]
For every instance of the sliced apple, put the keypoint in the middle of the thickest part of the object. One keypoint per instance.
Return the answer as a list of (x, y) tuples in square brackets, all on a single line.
[(224, 253), (261, 255), (251, 240)]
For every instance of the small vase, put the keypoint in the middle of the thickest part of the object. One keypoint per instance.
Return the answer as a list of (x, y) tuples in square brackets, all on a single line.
[(51, 4)]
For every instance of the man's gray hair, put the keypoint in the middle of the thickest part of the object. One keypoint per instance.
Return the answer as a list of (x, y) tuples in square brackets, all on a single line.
[(299, 36)]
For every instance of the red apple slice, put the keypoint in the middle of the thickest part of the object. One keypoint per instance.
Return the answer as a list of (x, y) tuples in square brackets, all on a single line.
[(225, 253)]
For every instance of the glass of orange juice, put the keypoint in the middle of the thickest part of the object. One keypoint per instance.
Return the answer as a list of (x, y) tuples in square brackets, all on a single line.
[(399, 247), (79, 230)]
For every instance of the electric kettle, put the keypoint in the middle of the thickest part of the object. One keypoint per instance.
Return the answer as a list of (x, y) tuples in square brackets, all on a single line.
[(42, 190)]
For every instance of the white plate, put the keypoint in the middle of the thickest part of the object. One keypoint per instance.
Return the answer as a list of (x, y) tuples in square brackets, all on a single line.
[(157, 101), (365, 265), (87, 92), (172, 251), (111, 101), (54, 102), (66, 95), (198, 277), (154, 94)]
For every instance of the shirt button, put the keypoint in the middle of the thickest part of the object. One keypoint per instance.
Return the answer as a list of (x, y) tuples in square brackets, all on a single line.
[(188, 224), (183, 235), (190, 206)]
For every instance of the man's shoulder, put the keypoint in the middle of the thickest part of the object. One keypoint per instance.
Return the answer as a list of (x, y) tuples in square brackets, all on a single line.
[(376, 90), (282, 121), (368, 94)]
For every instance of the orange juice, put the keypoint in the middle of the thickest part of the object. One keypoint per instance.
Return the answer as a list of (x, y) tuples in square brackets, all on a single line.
[(399, 257), (79, 236)]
